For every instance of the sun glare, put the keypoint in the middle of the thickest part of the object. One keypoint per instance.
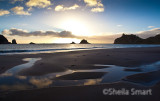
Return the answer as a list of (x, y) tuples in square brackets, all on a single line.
[(77, 27), (66, 40)]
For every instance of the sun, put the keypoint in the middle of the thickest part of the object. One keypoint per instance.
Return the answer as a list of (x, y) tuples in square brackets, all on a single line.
[(77, 27)]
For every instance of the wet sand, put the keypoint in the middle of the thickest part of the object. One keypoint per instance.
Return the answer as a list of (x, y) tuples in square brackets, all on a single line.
[(80, 60), (59, 62), (82, 75), (82, 93), (144, 77)]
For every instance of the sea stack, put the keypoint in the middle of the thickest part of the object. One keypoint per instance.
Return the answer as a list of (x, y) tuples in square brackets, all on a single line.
[(31, 43), (14, 41), (3, 40), (73, 43), (84, 42)]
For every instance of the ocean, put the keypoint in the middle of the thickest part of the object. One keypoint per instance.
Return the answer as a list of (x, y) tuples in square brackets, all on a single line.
[(6, 49)]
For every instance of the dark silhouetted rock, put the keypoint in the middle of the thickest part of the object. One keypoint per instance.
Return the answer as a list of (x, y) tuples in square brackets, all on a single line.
[(14, 41), (133, 39), (84, 42), (31, 43), (128, 39), (152, 40), (3, 40), (73, 43)]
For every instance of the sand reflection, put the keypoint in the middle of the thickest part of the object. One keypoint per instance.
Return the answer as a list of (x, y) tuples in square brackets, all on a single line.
[(16, 69), (40, 83), (92, 82)]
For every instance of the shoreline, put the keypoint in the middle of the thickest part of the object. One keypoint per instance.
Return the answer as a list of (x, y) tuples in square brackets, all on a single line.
[(20, 49)]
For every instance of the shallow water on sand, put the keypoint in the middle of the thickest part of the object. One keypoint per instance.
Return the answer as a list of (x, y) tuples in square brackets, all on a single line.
[(11, 80)]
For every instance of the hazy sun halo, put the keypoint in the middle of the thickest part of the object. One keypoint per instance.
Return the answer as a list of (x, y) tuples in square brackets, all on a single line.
[(76, 26)]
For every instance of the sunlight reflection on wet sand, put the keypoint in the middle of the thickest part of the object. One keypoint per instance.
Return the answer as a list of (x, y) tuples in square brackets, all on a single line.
[(10, 80)]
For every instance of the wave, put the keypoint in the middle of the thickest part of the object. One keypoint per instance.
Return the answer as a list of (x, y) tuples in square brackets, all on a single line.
[(42, 50), (7, 49)]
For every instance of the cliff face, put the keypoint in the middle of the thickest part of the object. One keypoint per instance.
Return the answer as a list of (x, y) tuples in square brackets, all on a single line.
[(3, 40), (133, 39)]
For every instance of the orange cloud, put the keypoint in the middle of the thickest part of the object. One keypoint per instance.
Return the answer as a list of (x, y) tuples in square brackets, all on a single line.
[(20, 11), (62, 8), (4, 12), (97, 4), (38, 3), (98, 9)]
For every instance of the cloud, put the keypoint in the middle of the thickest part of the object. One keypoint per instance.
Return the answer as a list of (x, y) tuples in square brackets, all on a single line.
[(4, 12), (25, 33), (91, 2), (97, 4), (94, 3), (98, 9), (62, 8), (104, 38), (151, 26), (20, 11), (149, 33), (38, 3), (59, 8), (49, 8)]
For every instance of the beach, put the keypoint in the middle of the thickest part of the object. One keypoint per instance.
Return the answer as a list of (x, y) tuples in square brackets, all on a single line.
[(79, 50), (81, 61)]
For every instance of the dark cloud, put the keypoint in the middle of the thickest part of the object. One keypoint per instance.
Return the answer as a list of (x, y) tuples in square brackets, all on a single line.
[(20, 32)]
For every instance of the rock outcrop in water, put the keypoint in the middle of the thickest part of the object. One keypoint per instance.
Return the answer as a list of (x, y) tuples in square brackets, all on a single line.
[(3, 40), (134, 39), (31, 43), (73, 43), (84, 42), (14, 41)]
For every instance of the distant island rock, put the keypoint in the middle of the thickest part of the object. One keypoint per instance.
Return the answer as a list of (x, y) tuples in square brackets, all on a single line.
[(3, 40), (14, 41), (84, 42), (134, 39), (73, 43), (31, 43)]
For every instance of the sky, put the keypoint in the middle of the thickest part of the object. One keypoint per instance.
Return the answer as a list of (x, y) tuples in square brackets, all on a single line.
[(64, 21)]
